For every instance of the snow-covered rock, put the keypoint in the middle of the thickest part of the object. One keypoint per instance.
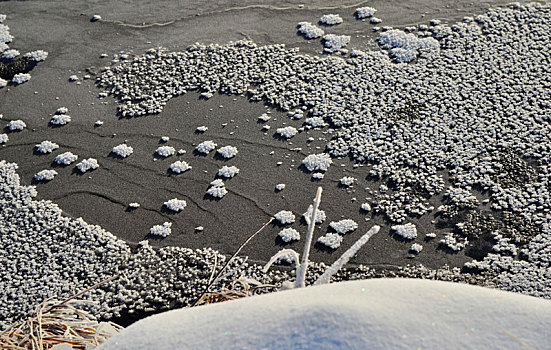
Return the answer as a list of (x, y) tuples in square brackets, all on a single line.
[(280, 187), (217, 191), (320, 215), (10, 54), (287, 132), (335, 42), (347, 181), (38, 55), (4, 138), (201, 129), (416, 248)]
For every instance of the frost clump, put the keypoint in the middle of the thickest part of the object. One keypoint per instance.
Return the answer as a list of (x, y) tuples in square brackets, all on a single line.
[(60, 119), (62, 110), (347, 181), (335, 42), (5, 36), (176, 204), (45, 175), (122, 150), (38, 55), (366, 206), (10, 54), (320, 161), (416, 248), (285, 217), (46, 147), (343, 226), (331, 19), (66, 158), (332, 240), (315, 122), (280, 187), (4, 138), (404, 46), (165, 138), (228, 171), (264, 118), (16, 125), (320, 215), (165, 151), (289, 234), (87, 164), (73, 78), (365, 12), (287, 132), (161, 230), (206, 147), (134, 205), (217, 189), (21, 78), (408, 231), (309, 30), (202, 128), (227, 151), (3, 83), (454, 243), (179, 167), (317, 176)]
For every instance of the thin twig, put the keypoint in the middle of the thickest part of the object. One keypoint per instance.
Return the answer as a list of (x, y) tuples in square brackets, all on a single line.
[(229, 260), (213, 267)]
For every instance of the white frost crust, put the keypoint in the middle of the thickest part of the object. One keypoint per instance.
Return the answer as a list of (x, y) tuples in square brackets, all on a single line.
[(66, 158), (176, 204), (206, 147), (161, 230), (285, 217), (408, 231), (123, 150), (289, 234), (87, 165)]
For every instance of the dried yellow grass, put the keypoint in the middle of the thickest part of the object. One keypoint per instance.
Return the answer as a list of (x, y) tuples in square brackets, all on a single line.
[(240, 288)]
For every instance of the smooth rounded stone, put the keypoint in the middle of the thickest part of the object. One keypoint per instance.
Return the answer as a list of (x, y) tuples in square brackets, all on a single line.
[(280, 187)]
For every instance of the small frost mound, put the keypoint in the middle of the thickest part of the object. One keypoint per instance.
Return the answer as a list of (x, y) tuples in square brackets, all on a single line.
[(134, 205), (45, 175), (285, 217), (73, 78), (179, 167), (309, 30), (2, 18), (96, 18), (217, 191), (206, 147), (21, 78), (264, 118), (38, 55), (62, 110), (332, 240), (320, 161), (227, 151), (201, 129), (3, 82), (331, 19), (66, 158), (16, 125), (87, 164), (228, 171), (320, 215), (46, 147), (315, 122), (317, 176), (165, 151), (365, 12), (400, 55), (343, 226), (60, 119), (122, 150), (161, 230), (287, 132), (335, 42), (4, 138), (176, 204), (217, 183), (206, 95), (366, 207), (289, 234), (453, 242), (347, 181), (404, 46), (431, 235), (10, 54), (98, 123), (408, 231), (165, 138), (280, 187), (416, 248)]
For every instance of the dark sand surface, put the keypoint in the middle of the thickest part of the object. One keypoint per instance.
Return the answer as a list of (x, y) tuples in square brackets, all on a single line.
[(102, 196)]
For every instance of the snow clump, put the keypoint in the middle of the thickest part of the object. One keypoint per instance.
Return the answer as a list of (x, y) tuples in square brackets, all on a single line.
[(206, 147), (289, 234), (16, 125), (347, 181), (66, 158), (21, 78), (202, 129), (46, 147), (165, 138), (404, 46), (453, 242), (45, 175), (161, 230), (73, 77), (134, 205), (343, 226), (217, 191), (335, 42), (320, 215), (317, 176), (280, 187), (366, 206), (165, 151), (285, 217), (3, 83), (38, 55), (122, 150), (408, 231), (332, 240), (416, 248), (264, 118), (228, 171), (176, 204), (309, 30), (179, 167), (10, 54), (315, 122), (320, 161), (62, 110), (365, 12), (87, 164), (5, 36), (227, 151), (4, 138), (287, 132), (60, 119), (331, 19)]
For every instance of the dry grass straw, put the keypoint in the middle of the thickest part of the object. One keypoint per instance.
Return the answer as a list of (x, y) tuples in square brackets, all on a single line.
[(240, 288), (57, 322)]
